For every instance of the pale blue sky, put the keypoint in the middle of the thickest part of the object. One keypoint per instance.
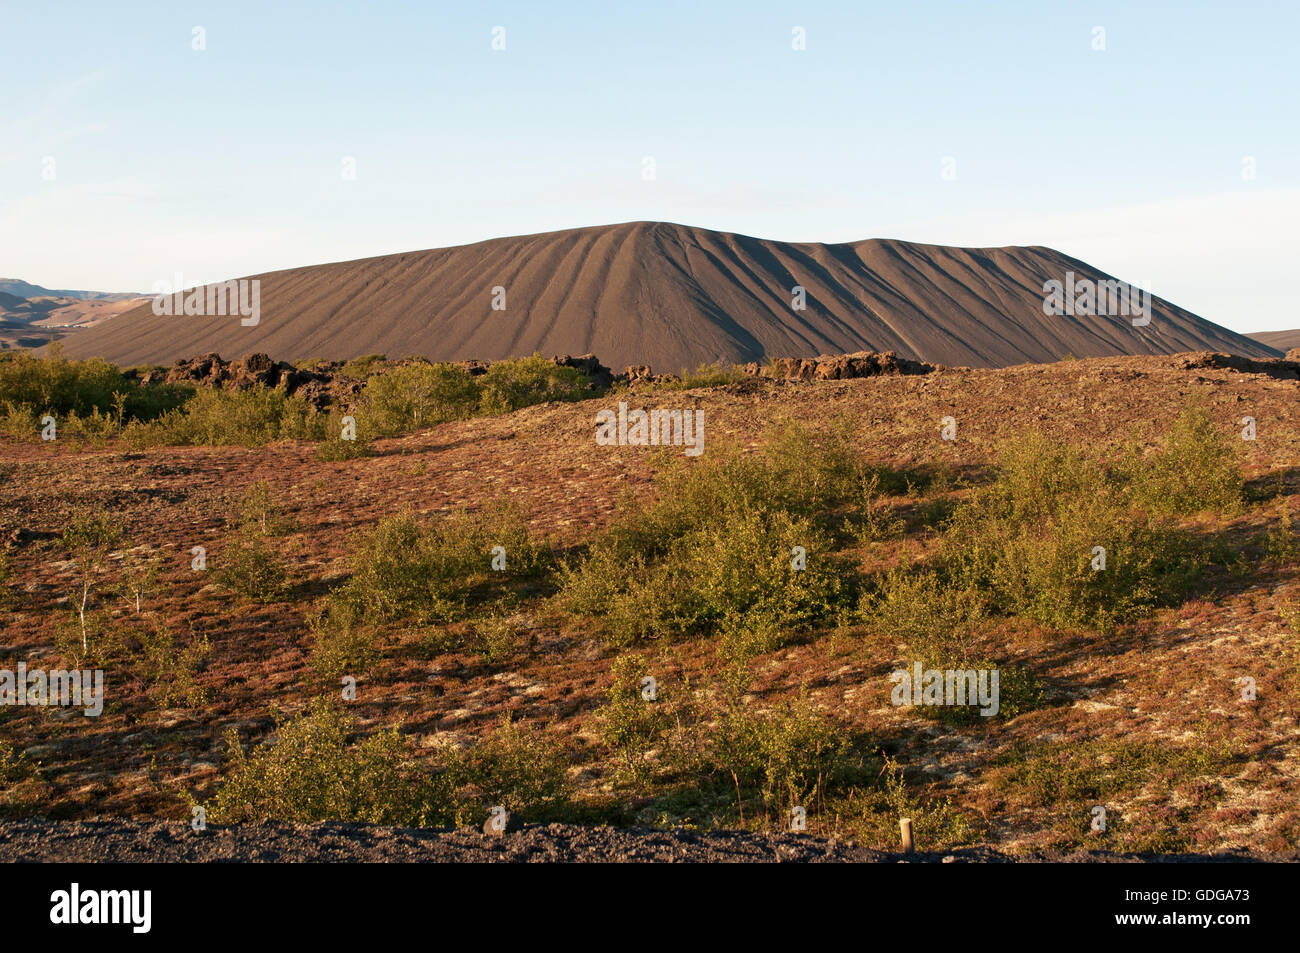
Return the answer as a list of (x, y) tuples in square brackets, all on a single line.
[(226, 161)]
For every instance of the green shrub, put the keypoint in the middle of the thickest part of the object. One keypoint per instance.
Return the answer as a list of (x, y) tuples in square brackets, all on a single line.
[(495, 638), (1290, 613), (91, 536), (1029, 542), (395, 573), (788, 757), (658, 604), (23, 791), (55, 385), (517, 767), (872, 814), (940, 626), (140, 577), (249, 564), (1020, 690), (736, 572), (311, 773), (938, 623), (715, 553), (6, 572), (362, 368), (89, 640), (261, 509), (35, 386), (19, 422), (522, 382), (1282, 543), (798, 470), (706, 375), (333, 449), (825, 468), (1076, 776), (743, 572), (347, 437), (632, 725), (691, 497), (170, 669), (246, 418), (404, 568), (714, 754), (405, 399), (95, 428), (251, 567), (344, 644), (93, 400), (1046, 572), (1197, 469)]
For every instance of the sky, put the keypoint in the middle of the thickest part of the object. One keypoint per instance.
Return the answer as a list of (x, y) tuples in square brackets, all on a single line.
[(1157, 141)]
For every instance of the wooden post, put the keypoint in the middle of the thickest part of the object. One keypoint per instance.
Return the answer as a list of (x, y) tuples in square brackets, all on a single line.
[(905, 825)]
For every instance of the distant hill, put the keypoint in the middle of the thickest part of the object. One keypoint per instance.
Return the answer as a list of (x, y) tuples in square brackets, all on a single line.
[(36, 320), (1281, 340), (670, 296), (25, 289)]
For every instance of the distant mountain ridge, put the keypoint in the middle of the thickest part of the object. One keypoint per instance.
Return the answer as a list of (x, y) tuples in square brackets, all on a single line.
[(1281, 340), (669, 296), (25, 289), (32, 316)]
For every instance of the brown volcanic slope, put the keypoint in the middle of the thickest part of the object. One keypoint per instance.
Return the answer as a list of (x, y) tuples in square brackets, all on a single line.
[(670, 296), (1281, 340)]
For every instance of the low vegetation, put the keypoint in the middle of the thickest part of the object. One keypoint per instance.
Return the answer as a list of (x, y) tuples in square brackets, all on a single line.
[(249, 563), (1061, 539), (705, 375), (90, 398), (433, 571), (218, 418), (733, 628), (751, 552), (89, 539), (739, 546), (94, 401), (1132, 782), (316, 771), (22, 788)]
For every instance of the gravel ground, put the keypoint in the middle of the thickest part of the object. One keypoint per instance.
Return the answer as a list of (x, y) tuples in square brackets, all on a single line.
[(120, 840)]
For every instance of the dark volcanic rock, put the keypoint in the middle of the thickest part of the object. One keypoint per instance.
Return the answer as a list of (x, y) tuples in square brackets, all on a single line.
[(601, 376), (251, 371), (838, 367), (1287, 369), (173, 841), (323, 384), (640, 372)]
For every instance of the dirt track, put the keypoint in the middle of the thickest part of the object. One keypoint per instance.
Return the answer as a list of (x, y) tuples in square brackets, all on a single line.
[(171, 841)]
